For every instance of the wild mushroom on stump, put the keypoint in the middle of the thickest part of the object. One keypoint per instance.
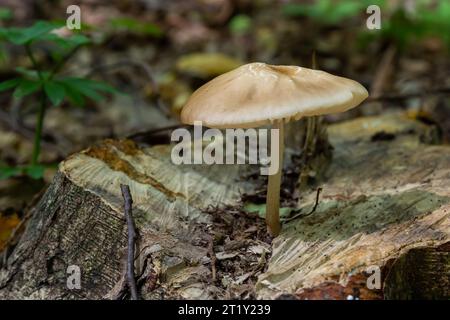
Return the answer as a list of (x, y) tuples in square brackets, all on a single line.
[(257, 94)]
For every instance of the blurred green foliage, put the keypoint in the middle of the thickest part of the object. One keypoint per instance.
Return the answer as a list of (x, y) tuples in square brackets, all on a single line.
[(135, 26), (329, 11), (404, 28), (55, 87), (431, 18), (438, 22), (5, 14), (48, 84), (240, 24), (33, 171)]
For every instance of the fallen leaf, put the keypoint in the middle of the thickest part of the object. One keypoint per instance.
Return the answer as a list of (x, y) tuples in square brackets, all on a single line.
[(206, 64), (7, 225)]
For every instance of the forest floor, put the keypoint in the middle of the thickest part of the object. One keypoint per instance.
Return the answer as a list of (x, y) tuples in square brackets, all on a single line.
[(158, 70)]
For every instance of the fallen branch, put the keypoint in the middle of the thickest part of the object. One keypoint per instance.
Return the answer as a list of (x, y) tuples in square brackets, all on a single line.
[(151, 132), (319, 190), (212, 255), (128, 202)]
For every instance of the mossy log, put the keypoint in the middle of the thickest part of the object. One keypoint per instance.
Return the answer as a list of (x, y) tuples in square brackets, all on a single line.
[(385, 203)]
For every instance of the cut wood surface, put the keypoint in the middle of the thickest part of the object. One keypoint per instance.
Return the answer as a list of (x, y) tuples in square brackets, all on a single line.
[(385, 203), (384, 193)]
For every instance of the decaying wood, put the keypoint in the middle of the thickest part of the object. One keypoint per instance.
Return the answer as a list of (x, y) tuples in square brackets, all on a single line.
[(381, 198), (385, 202), (80, 221), (431, 280)]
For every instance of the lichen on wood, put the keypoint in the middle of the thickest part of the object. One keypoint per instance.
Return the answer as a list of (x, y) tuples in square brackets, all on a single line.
[(380, 199)]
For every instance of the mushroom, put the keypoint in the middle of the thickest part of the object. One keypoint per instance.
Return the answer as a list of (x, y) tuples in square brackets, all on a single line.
[(256, 94)]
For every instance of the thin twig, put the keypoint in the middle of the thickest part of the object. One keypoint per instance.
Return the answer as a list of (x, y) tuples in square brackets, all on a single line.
[(212, 255), (147, 133), (298, 215), (319, 190), (128, 203)]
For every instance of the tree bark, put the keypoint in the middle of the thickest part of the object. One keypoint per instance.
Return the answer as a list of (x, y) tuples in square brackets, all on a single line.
[(80, 222)]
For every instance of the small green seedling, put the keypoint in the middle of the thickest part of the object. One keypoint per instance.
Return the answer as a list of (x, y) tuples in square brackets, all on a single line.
[(48, 84)]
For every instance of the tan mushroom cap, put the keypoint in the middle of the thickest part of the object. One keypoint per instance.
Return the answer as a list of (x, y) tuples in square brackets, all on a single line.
[(257, 93)]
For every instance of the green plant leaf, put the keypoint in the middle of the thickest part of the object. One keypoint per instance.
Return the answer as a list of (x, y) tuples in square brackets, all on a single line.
[(8, 84), (32, 74), (39, 29), (84, 87), (67, 43), (55, 92), (74, 96), (21, 36), (26, 87), (35, 171), (8, 172), (78, 87), (102, 86)]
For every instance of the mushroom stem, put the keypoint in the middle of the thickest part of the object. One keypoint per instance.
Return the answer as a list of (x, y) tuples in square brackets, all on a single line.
[(273, 187)]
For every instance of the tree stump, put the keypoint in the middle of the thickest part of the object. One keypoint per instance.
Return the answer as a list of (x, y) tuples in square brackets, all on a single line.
[(385, 195), (385, 206)]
